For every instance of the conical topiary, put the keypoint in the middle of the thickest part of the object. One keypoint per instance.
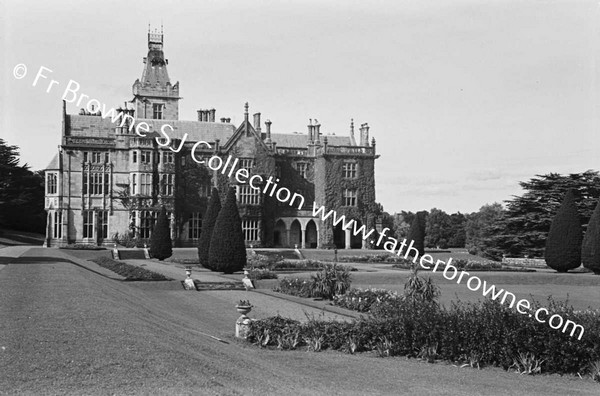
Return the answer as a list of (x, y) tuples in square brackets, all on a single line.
[(208, 223), (227, 252), (161, 246), (563, 245), (416, 233), (590, 249)]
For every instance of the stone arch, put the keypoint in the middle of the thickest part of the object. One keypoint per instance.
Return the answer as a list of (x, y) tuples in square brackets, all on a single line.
[(339, 237), (312, 234), (295, 234)]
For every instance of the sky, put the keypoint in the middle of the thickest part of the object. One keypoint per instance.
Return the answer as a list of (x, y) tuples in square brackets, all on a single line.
[(464, 98)]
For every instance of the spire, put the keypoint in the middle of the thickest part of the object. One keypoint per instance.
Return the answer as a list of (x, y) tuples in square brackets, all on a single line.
[(153, 95)]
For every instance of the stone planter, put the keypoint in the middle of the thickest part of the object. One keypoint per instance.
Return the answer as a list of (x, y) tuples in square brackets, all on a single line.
[(243, 309)]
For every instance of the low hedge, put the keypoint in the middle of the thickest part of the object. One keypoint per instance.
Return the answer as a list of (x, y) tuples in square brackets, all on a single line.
[(130, 272)]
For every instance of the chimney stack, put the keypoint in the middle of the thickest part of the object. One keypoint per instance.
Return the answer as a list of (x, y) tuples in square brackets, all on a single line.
[(317, 130), (268, 124), (364, 134), (257, 122), (212, 115), (310, 131)]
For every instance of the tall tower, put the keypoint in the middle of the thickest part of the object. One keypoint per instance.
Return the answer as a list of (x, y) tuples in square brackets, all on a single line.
[(154, 96)]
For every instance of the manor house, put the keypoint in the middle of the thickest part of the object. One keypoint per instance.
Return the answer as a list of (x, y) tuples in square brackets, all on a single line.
[(107, 183)]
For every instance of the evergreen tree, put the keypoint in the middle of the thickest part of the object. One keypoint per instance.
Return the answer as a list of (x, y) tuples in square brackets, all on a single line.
[(528, 217), (161, 246), (21, 193), (208, 223), (417, 232), (590, 250), (227, 251), (563, 245)]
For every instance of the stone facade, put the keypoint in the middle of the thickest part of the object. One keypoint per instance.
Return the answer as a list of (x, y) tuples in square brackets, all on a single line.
[(114, 171)]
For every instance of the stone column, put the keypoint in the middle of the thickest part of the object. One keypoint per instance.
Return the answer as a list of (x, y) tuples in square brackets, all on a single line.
[(289, 243), (303, 238), (348, 241)]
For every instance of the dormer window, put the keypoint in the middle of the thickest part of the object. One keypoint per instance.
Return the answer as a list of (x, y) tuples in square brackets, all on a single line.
[(157, 111)]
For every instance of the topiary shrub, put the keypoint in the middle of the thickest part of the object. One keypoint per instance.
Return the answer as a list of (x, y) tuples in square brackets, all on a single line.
[(161, 246), (417, 233), (590, 249), (563, 245), (227, 252), (208, 224)]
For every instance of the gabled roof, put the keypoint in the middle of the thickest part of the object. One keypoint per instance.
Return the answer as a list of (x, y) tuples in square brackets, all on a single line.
[(244, 127), (54, 164)]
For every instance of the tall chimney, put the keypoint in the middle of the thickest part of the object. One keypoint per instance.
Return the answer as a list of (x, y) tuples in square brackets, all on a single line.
[(257, 122), (318, 131), (268, 124), (212, 115), (199, 115), (310, 131)]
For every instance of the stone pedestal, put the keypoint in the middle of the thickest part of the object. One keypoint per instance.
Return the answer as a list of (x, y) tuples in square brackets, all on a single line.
[(242, 327)]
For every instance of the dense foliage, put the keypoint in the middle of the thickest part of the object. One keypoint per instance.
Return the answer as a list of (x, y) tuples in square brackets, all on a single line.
[(332, 280), (161, 245), (208, 223), (227, 251), (21, 193), (443, 230), (476, 334), (524, 228), (563, 246), (590, 249)]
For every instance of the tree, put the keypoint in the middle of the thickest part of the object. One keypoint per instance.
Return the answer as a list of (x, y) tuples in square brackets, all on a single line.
[(227, 251), (590, 249), (457, 234), (480, 228), (402, 222), (437, 229), (21, 193), (417, 232), (208, 224), (528, 217), (161, 246), (563, 245)]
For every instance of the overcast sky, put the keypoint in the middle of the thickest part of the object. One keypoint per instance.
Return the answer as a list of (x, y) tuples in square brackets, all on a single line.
[(464, 98)]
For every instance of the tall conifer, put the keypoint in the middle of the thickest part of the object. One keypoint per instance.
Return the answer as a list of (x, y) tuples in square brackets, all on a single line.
[(161, 246), (563, 245), (208, 223), (590, 250), (227, 251)]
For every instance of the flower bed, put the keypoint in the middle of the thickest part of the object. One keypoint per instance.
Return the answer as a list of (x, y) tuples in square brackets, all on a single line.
[(130, 272), (330, 281), (362, 300), (476, 334), (82, 246)]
